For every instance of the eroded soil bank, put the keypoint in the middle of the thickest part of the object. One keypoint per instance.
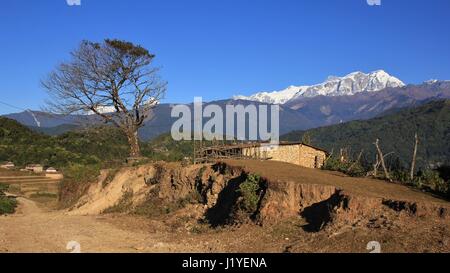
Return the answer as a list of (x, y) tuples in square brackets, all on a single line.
[(212, 194)]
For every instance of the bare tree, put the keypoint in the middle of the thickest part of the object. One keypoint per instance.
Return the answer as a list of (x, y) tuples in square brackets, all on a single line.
[(413, 163), (343, 155), (328, 157), (114, 80), (376, 165), (381, 157), (358, 159)]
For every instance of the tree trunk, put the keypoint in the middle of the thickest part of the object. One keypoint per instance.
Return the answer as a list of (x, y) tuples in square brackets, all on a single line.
[(380, 155), (356, 162), (413, 163), (341, 155), (375, 166), (133, 141), (328, 157)]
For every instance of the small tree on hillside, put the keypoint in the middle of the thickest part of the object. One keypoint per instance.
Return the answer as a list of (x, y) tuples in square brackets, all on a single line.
[(306, 138), (114, 80)]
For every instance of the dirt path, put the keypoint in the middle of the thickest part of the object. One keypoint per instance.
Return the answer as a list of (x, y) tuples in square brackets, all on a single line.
[(32, 229)]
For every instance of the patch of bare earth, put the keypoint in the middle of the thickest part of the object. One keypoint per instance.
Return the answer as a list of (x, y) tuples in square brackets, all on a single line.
[(169, 208)]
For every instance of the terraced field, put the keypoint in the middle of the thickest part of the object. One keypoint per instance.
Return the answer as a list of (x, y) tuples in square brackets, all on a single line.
[(28, 184)]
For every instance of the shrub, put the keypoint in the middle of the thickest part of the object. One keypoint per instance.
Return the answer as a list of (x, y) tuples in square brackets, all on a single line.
[(3, 187), (250, 192), (334, 164), (81, 173), (431, 179), (401, 176), (7, 205), (357, 170)]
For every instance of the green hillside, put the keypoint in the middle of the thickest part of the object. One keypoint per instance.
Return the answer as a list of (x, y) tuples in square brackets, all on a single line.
[(57, 130), (165, 148), (396, 133), (85, 146), (104, 145)]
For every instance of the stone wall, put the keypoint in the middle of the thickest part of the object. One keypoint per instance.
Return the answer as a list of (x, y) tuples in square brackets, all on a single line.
[(310, 157), (296, 154)]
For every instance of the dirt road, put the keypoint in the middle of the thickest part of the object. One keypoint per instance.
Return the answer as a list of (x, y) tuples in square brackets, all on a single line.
[(32, 229)]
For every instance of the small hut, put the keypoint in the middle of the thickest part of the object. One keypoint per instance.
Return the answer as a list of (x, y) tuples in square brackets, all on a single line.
[(36, 168), (7, 165)]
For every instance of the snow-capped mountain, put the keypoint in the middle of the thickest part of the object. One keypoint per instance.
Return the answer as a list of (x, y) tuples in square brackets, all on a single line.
[(350, 84), (275, 97)]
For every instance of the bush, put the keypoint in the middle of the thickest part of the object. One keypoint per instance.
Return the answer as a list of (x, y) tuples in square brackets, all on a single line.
[(3, 187), (250, 191), (334, 164), (430, 179), (7, 204), (402, 176), (81, 173)]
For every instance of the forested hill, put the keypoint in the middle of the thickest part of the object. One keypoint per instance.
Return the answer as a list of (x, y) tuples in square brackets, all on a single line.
[(396, 132), (89, 146), (86, 146)]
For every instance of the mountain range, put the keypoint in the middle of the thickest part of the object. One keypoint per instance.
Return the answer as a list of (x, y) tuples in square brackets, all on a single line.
[(348, 85), (357, 96)]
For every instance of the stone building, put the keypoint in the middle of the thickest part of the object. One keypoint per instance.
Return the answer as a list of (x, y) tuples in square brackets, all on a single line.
[(7, 165), (296, 153), (36, 168), (51, 170)]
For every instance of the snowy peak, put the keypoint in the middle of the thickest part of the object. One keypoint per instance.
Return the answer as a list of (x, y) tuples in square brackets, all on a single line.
[(275, 97), (434, 81), (334, 86), (353, 83)]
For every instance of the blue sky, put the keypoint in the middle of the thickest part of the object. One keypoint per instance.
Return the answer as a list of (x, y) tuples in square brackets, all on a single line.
[(219, 48)]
